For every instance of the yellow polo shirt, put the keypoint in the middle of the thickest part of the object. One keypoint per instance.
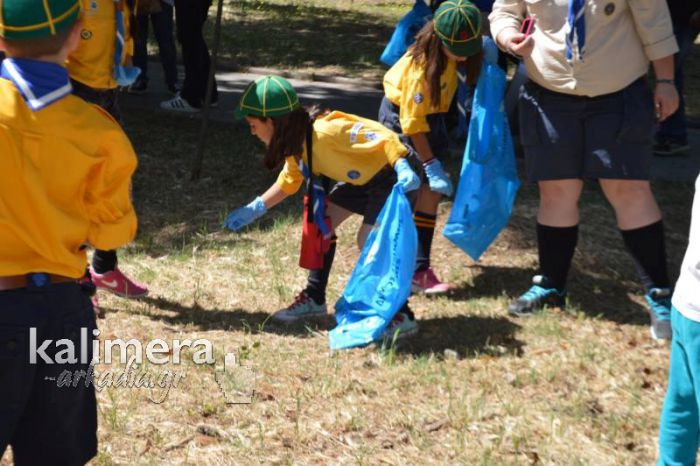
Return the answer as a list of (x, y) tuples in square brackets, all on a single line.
[(92, 63), (66, 171), (345, 148), (405, 86)]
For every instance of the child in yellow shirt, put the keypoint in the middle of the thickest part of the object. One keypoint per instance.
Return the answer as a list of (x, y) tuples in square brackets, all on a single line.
[(358, 153), (419, 89), (98, 67), (66, 168)]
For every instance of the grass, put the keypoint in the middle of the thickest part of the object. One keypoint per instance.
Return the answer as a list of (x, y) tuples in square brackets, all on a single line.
[(320, 37), (583, 386)]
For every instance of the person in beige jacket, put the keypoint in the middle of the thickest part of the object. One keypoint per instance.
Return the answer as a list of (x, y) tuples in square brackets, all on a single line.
[(588, 113)]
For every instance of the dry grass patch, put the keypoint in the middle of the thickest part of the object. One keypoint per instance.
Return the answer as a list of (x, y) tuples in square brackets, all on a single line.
[(583, 386)]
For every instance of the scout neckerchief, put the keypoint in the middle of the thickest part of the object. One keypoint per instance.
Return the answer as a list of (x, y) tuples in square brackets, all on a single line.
[(314, 188), (123, 75), (576, 29), (40, 83)]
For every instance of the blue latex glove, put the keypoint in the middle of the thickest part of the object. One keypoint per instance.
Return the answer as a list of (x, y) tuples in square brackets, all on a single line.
[(437, 178), (406, 176), (245, 215)]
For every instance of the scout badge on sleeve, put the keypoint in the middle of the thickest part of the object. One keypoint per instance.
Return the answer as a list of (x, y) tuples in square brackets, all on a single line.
[(316, 230)]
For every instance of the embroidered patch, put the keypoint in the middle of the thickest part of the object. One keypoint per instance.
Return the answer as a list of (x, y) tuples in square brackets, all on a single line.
[(85, 34), (354, 174), (370, 136), (418, 98), (354, 132)]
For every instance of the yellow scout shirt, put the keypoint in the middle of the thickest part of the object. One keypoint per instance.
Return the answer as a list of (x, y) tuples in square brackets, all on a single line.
[(93, 62), (66, 171), (405, 86), (345, 148)]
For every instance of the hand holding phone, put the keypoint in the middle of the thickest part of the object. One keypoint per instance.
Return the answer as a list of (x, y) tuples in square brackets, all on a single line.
[(527, 25)]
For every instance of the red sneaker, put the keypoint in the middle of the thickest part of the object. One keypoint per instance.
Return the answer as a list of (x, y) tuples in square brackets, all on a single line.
[(425, 281), (119, 284)]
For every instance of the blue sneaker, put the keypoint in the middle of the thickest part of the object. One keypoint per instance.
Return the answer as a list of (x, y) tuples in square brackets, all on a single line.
[(539, 296), (659, 301)]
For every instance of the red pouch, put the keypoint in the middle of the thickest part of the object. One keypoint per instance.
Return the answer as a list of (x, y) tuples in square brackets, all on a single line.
[(313, 244)]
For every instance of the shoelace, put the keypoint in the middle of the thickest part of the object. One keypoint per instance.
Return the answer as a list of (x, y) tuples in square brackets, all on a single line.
[(535, 292), (301, 298), (662, 308)]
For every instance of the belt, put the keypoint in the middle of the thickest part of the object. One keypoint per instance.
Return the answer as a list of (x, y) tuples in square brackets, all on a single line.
[(14, 282)]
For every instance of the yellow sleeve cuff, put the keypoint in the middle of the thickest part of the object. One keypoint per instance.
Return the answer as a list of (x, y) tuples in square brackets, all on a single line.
[(108, 236), (415, 125), (290, 178), (394, 151)]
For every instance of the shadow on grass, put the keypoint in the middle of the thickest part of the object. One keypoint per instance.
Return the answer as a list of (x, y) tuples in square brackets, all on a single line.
[(304, 36), (596, 297), (219, 319), (468, 336)]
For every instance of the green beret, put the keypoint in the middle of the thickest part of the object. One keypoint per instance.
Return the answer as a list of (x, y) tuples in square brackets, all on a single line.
[(268, 96), (36, 19), (458, 24)]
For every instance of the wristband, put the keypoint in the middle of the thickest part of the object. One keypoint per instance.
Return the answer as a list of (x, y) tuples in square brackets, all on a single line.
[(665, 81), (429, 161)]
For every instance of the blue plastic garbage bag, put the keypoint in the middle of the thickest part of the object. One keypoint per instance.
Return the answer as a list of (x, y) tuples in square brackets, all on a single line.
[(488, 182), (405, 31), (381, 281)]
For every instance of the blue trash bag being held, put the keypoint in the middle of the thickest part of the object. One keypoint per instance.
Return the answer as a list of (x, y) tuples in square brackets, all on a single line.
[(380, 284), (405, 32), (488, 182)]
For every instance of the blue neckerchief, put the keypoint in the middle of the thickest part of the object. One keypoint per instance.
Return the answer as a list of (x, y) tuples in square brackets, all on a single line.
[(576, 23), (319, 197), (40, 83), (123, 75)]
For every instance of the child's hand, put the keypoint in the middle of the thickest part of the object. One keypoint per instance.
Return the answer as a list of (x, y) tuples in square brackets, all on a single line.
[(406, 176), (245, 215), (437, 178)]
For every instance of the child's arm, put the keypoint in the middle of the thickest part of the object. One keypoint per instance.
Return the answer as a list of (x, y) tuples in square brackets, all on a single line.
[(245, 215), (107, 195), (438, 180)]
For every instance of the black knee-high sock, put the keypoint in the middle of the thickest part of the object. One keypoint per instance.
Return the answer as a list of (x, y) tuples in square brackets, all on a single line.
[(318, 279), (104, 261), (648, 249), (425, 224), (556, 246)]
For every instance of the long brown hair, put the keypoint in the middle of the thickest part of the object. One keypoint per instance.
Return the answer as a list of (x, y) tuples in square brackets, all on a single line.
[(289, 134), (427, 51)]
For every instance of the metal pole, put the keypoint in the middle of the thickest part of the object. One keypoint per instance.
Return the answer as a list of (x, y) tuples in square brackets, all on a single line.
[(199, 155)]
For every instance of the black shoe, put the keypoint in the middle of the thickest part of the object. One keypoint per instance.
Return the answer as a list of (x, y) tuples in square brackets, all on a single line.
[(670, 148), (139, 87)]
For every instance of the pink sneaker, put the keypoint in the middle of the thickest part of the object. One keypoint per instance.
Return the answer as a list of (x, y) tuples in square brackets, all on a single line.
[(119, 284), (425, 281)]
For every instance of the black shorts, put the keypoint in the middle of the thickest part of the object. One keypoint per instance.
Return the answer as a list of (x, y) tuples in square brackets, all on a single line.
[(45, 423), (574, 137), (107, 99), (438, 137), (366, 200)]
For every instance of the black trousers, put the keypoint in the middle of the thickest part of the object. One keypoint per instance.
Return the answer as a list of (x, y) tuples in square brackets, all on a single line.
[(190, 16), (44, 420), (162, 23)]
